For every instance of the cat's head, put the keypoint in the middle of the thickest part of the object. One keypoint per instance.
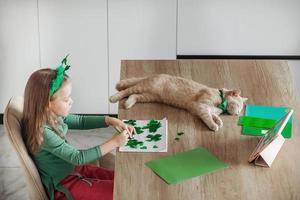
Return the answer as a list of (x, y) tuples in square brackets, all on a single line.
[(235, 101)]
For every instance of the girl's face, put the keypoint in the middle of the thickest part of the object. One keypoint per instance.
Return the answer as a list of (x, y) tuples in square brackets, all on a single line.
[(61, 102)]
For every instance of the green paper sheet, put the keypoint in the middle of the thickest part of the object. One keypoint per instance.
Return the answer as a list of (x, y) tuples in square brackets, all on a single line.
[(254, 126), (266, 112), (253, 131), (185, 165), (256, 122)]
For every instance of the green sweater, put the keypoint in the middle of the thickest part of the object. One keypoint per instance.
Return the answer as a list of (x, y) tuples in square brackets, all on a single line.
[(57, 158)]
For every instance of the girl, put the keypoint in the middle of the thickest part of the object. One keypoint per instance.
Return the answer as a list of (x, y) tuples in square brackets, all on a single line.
[(64, 170)]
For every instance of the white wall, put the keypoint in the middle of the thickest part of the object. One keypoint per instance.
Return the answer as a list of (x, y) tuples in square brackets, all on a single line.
[(78, 28), (46, 30), (19, 52), (37, 34), (235, 27), (139, 29)]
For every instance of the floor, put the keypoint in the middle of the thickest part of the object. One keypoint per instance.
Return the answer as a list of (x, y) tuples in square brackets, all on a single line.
[(12, 184)]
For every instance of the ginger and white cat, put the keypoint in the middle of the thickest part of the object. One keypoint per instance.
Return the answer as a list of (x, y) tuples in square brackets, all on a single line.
[(198, 99)]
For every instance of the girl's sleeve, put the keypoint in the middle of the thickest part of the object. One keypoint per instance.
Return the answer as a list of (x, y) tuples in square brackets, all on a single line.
[(85, 122), (59, 147)]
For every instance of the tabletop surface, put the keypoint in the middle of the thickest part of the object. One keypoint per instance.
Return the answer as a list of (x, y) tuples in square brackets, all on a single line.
[(263, 82)]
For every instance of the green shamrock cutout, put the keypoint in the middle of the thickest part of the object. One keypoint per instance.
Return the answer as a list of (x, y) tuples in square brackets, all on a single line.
[(133, 143), (152, 125), (138, 130), (154, 138), (130, 122), (180, 133)]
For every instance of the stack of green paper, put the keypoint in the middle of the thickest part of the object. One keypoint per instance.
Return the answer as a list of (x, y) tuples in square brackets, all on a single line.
[(185, 165), (258, 119)]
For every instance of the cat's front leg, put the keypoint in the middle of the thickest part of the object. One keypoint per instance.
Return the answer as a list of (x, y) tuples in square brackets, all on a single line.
[(217, 119), (205, 113), (209, 121), (215, 112)]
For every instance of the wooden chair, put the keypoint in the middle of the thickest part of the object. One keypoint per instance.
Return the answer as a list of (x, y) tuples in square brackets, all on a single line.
[(12, 124)]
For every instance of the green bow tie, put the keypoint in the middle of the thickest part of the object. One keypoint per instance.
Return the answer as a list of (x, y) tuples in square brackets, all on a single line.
[(223, 105)]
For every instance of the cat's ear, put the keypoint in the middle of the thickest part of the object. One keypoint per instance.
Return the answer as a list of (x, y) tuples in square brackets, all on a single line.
[(226, 92), (231, 92), (235, 93)]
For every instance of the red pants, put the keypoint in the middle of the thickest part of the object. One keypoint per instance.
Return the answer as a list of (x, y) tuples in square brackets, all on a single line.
[(91, 182)]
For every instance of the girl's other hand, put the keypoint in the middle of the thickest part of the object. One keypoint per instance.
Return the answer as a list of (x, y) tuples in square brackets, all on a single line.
[(120, 138), (118, 123)]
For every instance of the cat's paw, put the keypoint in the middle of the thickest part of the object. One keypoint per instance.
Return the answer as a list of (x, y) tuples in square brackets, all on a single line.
[(213, 127), (119, 86), (128, 104), (130, 101), (217, 120)]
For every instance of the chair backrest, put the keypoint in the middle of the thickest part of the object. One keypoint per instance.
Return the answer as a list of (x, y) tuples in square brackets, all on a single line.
[(12, 123)]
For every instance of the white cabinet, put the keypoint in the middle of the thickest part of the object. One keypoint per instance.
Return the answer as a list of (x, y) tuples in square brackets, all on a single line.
[(78, 28), (232, 27), (139, 29), (19, 52)]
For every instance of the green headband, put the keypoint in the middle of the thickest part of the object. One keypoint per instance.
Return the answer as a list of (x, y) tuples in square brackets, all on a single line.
[(60, 74)]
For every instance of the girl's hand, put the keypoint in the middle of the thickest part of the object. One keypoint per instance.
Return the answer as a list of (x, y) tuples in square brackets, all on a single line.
[(120, 139), (111, 121)]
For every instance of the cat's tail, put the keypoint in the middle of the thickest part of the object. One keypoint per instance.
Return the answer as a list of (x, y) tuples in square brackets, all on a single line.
[(115, 98), (126, 83)]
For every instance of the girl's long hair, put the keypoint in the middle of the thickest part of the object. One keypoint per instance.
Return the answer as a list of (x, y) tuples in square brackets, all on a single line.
[(36, 113)]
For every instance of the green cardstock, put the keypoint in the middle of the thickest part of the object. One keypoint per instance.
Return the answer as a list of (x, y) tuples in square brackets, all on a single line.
[(253, 131), (256, 122), (185, 165), (254, 126), (260, 118), (266, 112)]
